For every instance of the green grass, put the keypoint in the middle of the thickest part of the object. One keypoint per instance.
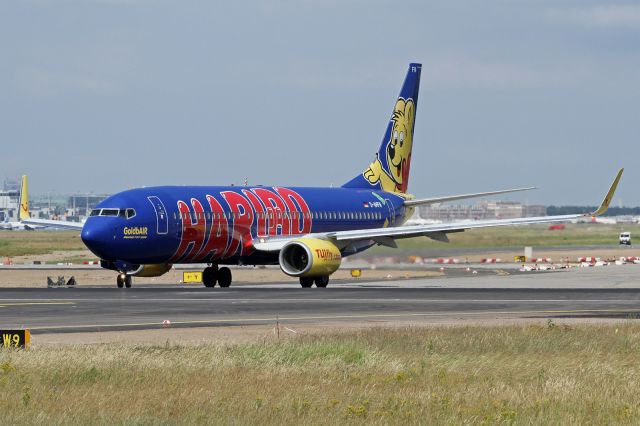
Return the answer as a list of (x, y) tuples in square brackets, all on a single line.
[(23, 243), (463, 375)]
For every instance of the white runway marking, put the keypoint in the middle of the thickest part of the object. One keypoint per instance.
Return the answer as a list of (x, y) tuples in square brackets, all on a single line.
[(334, 317), (138, 300)]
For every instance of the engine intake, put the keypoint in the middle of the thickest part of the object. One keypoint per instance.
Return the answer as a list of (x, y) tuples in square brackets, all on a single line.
[(309, 257)]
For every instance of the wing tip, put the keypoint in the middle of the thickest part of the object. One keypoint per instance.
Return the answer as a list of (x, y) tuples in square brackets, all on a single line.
[(604, 206)]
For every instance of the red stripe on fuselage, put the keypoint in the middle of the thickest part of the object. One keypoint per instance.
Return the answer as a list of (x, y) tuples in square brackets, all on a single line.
[(218, 232), (192, 230), (230, 234), (301, 224), (276, 209), (242, 216), (260, 213)]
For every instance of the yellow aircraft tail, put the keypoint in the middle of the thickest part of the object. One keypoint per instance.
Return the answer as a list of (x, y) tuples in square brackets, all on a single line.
[(24, 199)]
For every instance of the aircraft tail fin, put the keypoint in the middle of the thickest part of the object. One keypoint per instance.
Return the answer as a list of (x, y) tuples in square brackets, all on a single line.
[(390, 170), (24, 199)]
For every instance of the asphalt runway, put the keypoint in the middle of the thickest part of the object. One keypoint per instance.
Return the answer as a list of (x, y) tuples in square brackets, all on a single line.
[(601, 293)]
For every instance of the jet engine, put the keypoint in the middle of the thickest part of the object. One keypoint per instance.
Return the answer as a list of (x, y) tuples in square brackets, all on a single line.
[(151, 270), (309, 257)]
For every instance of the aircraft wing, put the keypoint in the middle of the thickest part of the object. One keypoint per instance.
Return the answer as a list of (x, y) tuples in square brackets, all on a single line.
[(62, 224), (435, 200), (387, 236)]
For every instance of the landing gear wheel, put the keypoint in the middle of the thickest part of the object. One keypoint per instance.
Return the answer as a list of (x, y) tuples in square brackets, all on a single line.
[(224, 277), (321, 282), (120, 280), (306, 282), (210, 276), (127, 281)]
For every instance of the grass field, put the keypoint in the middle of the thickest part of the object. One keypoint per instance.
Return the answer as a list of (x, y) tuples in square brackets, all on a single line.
[(463, 375), (23, 243)]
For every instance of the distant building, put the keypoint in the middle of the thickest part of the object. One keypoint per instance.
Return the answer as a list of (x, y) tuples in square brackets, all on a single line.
[(482, 210), (11, 185), (81, 205), (9, 204)]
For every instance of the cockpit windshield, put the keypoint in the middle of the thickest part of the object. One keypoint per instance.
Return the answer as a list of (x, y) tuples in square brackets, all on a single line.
[(124, 213)]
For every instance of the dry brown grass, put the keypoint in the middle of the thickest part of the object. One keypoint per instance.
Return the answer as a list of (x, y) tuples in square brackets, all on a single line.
[(490, 375)]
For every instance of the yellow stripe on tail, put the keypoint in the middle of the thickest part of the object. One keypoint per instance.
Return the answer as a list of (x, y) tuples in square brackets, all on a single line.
[(24, 199)]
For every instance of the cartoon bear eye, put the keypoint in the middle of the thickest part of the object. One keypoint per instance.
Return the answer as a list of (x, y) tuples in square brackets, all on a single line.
[(395, 137), (401, 138)]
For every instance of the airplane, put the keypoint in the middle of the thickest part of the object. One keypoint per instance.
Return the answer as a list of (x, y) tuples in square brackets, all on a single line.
[(8, 225), (307, 231)]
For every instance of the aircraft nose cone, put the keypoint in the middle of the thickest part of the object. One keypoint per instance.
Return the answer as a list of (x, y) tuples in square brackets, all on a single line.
[(97, 239)]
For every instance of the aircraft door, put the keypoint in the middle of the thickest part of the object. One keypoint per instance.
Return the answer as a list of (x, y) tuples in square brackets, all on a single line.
[(162, 219)]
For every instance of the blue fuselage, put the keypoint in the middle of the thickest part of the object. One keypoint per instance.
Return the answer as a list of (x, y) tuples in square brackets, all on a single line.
[(199, 224)]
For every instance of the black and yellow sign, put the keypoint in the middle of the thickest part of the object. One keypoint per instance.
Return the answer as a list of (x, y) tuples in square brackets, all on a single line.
[(15, 338), (191, 277), (520, 259)]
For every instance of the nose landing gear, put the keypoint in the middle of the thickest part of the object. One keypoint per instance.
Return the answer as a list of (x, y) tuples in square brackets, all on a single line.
[(212, 275), (124, 280)]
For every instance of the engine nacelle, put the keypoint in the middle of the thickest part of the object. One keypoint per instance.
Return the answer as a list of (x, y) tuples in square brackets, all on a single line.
[(151, 270), (309, 257)]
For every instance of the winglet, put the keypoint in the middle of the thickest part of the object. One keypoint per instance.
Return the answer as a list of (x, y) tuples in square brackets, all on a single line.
[(24, 200), (607, 200)]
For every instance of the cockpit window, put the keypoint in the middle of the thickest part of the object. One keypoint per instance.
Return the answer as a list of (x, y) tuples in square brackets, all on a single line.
[(123, 213)]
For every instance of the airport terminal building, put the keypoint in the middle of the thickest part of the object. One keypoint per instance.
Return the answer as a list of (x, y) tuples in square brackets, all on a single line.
[(483, 210)]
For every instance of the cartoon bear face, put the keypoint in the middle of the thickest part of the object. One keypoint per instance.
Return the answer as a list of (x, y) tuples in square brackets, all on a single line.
[(399, 146)]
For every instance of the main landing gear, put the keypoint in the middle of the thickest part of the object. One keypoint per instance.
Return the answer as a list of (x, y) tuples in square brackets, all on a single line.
[(212, 275), (321, 282), (124, 280)]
